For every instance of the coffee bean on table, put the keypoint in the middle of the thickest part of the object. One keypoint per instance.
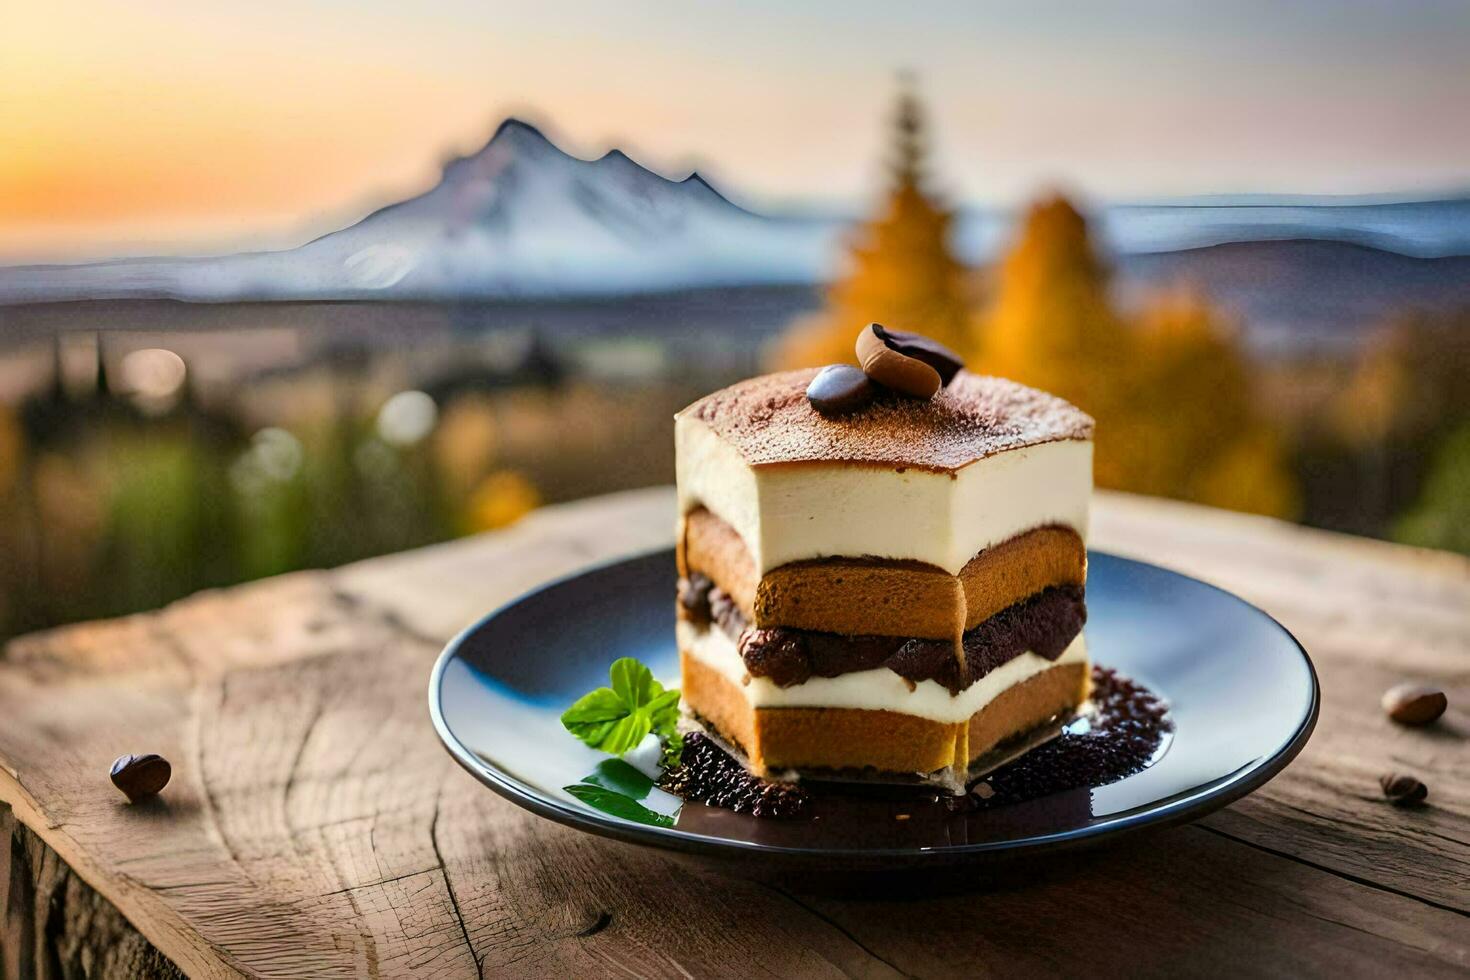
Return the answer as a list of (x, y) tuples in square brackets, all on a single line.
[(1403, 789), (906, 362), (839, 389), (1414, 704), (141, 776)]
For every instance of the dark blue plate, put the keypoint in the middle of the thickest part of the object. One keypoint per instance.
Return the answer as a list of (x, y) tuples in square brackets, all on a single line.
[(1242, 693)]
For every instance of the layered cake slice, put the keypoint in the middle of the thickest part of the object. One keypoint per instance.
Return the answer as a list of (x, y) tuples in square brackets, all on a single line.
[(892, 588)]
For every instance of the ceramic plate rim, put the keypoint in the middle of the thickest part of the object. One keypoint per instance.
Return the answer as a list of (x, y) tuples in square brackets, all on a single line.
[(1221, 793)]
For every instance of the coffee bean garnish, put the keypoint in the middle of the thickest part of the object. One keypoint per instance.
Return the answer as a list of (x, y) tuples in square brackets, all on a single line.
[(1414, 704), (1402, 789), (943, 360), (892, 368), (141, 776), (840, 389)]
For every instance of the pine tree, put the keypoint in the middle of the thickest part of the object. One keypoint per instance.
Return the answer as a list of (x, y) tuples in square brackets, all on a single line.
[(901, 270)]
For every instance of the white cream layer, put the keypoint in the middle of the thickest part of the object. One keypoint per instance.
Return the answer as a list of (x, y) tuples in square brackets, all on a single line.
[(787, 513), (876, 690)]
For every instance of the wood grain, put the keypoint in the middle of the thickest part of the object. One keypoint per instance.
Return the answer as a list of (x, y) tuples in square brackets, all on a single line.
[(57, 926), (315, 827)]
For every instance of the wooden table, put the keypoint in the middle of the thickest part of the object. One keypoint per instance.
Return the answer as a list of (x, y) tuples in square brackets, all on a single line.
[(314, 826)]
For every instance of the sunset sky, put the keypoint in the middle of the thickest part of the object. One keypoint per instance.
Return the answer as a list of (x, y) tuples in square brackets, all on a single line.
[(156, 126)]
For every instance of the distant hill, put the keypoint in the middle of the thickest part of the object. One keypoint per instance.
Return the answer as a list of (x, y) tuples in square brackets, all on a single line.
[(1292, 293), (1288, 296)]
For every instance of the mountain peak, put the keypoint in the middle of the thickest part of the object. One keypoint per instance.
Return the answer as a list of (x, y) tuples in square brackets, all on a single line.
[(512, 128), (696, 180), (513, 139)]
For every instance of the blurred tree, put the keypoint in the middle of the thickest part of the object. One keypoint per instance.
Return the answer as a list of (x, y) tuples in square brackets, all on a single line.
[(465, 444), (1192, 429), (1406, 394), (162, 528), (273, 519), (1409, 384), (502, 498), (902, 272), (14, 528), (12, 450), (1172, 393), (1052, 324), (1441, 516)]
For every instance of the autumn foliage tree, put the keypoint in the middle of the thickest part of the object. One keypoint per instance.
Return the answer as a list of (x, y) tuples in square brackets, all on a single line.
[(1190, 426), (1170, 387), (901, 272), (1052, 324), (1172, 392)]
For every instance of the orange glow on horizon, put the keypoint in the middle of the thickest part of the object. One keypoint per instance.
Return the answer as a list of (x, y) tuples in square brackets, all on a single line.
[(187, 126)]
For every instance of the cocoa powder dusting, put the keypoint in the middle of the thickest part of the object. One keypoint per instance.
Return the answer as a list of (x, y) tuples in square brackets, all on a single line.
[(770, 421)]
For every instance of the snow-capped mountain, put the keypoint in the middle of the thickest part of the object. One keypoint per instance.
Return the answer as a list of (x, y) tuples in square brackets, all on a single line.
[(518, 218), (522, 219)]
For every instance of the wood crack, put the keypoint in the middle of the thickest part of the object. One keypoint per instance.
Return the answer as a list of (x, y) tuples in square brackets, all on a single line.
[(1355, 879), (449, 885), (211, 804), (316, 716), (602, 922), (381, 881), (835, 925)]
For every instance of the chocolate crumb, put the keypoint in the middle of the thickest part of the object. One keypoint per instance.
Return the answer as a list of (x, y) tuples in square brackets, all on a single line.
[(1123, 735), (707, 774)]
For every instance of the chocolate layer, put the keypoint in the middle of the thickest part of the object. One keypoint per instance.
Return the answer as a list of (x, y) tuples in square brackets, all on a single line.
[(1043, 624), (882, 596)]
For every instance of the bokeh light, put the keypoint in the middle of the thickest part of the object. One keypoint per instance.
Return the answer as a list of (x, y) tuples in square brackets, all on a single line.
[(406, 418), (154, 377)]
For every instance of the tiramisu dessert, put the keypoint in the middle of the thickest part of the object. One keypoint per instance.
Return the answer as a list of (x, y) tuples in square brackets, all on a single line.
[(881, 570)]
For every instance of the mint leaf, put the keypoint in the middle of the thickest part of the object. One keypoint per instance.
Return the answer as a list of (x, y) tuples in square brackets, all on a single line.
[(663, 712), (593, 716), (618, 776), (625, 733), (615, 719), (618, 805), (633, 682)]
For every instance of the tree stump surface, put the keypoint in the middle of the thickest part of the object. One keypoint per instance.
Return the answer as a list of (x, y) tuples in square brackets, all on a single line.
[(315, 827)]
